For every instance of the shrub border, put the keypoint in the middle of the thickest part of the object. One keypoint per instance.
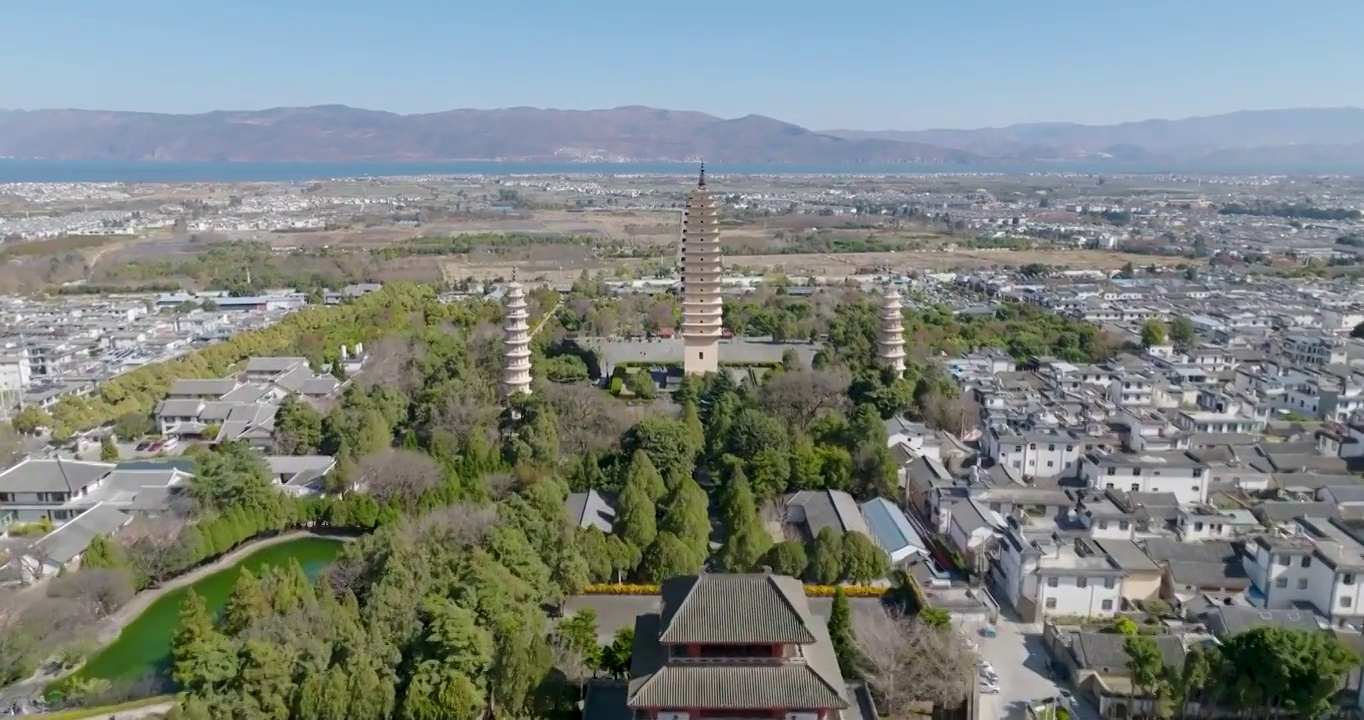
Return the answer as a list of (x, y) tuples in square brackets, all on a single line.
[(810, 590)]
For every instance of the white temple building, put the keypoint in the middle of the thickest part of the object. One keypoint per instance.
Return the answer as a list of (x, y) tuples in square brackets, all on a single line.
[(890, 337), (702, 306), (516, 344)]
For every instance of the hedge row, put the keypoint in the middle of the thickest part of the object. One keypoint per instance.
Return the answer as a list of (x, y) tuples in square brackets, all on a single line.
[(677, 364), (651, 589)]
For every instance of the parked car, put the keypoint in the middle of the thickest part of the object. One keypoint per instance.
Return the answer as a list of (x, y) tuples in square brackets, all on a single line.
[(142, 446), (989, 688)]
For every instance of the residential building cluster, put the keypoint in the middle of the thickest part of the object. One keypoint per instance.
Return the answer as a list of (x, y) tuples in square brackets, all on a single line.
[(82, 499), (68, 346), (1212, 475)]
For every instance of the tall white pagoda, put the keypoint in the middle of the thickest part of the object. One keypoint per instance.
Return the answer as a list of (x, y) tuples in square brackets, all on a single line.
[(890, 336), (702, 306), (515, 343)]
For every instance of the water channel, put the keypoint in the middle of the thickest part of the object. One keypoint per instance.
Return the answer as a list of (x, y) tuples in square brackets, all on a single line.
[(143, 648)]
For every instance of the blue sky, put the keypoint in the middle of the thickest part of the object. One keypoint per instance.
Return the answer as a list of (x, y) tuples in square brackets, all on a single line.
[(869, 64)]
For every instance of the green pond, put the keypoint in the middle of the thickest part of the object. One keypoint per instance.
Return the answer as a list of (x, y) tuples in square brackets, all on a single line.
[(143, 648)]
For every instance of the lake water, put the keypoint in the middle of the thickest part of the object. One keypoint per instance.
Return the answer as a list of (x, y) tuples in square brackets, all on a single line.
[(143, 647), (59, 171)]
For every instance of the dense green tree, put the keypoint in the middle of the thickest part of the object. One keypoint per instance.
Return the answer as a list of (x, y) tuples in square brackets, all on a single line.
[(636, 517), (1153, 333), (862, 560), (787, 558), (204, 660), (826, 560), (746, 539), (108, 451), (686, 515), (131, 426), (298, 428), (579, 631), (29, 419), (607, 556), (670, 556), (841, 633), (668, 443), (642, 472), (1182, 331), (247, 602), (615, 660), (104, 553), (1146, 667)]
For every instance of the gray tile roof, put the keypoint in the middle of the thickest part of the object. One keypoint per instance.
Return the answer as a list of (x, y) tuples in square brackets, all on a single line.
[(192, 387), (591, 510), (1107, 653), (818, 509), (66, 542), (1162, 549), (320, 385), (246, 394), (1209, 575), (735, 608), (815, 683), (43, 475), (1226, 621), (180, 408), (274, 364), (736, 686)]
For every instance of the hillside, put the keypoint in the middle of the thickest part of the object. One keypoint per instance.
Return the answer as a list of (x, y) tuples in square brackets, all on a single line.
[(342, 134), (1280, 136)]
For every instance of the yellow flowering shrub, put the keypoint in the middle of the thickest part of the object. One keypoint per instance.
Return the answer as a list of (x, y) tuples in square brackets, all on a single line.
[(652, 589), (849, 590), (620, 589)]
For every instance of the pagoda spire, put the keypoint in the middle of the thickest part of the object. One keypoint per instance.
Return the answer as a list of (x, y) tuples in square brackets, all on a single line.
[(515, 343), (890, 340), (702, 304)]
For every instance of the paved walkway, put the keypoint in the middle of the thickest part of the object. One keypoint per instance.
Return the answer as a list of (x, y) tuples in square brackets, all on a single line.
[(547, 317)]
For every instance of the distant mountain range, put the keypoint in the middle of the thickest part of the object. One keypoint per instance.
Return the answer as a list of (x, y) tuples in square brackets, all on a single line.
[(336, 133), (1271, 137)]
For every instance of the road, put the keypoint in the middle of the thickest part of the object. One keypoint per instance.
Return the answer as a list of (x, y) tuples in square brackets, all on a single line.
[(1020, 660)]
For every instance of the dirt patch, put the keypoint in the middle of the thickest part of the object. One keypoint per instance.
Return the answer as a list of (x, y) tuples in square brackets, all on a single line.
[(565, 269)]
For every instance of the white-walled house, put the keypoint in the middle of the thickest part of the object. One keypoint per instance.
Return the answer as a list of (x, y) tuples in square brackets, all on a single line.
[(1323, 565), (1052, 577), (1204, 522), (1174, 472), (1041, 454)]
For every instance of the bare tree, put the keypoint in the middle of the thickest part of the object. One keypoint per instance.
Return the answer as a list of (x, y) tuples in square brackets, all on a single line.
[(101, 590), (499, 485), (589, 419), (955, 415), (454, 526), (570, 661), (389, 363), (800, 397), (485, 349), (907, 662), (346, 574), (398, 475), (463, 413), (153, 545)]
